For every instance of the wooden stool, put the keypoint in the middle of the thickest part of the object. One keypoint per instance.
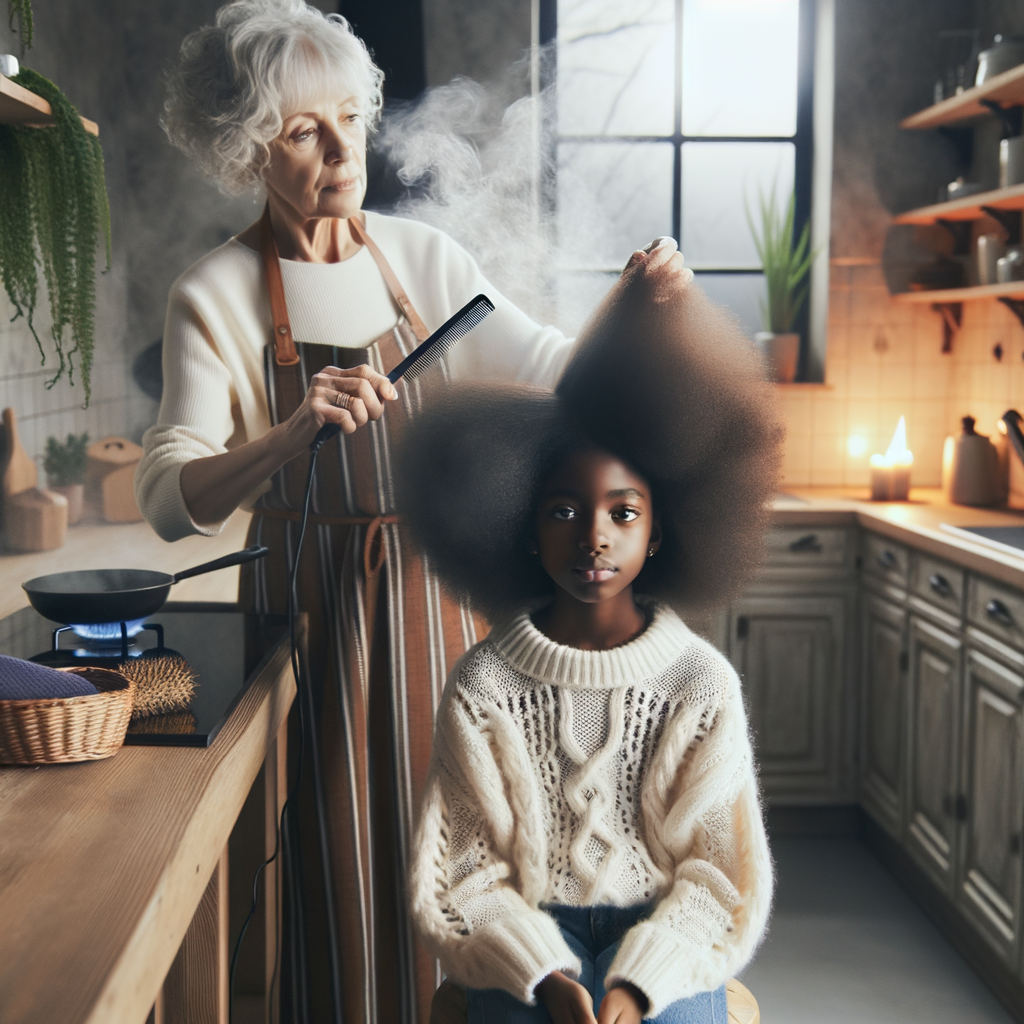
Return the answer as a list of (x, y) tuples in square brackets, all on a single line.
[(449, 1004)]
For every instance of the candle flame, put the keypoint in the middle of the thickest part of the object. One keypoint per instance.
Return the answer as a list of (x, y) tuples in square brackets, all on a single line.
[(897, 454)]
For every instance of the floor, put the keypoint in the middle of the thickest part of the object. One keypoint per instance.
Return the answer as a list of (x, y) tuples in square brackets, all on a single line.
[(848, 946)]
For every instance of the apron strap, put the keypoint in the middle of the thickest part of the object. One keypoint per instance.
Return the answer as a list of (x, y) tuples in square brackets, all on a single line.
[(284, 344), (285, 352), (419, 328)]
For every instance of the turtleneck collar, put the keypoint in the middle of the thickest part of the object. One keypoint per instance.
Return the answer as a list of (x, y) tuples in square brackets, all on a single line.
[(527, 650)]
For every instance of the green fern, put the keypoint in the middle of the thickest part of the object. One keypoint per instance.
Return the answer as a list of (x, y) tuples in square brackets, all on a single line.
[(22, 10), (55, 206), (785, 265)]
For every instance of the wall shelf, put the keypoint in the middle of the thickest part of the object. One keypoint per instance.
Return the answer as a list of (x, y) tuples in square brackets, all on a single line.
[(20, 106), (969, 208), (1006, 89), (1009, 290)]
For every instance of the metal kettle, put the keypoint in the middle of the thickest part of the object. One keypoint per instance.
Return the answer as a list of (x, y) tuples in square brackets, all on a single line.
[(970, 468)]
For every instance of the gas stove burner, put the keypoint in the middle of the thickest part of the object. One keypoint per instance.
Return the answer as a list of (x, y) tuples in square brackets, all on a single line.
[(110, 632), (102, 642)]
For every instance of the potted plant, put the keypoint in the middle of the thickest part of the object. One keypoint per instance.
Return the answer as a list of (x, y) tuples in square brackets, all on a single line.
[(786, 265), (65, 471), (53, 211)]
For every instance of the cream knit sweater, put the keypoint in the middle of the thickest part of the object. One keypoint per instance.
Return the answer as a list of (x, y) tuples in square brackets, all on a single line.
[(592, 777), (218, 322)]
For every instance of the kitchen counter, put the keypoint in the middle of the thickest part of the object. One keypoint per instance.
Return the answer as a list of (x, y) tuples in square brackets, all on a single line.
[(113, 873), (130, 546), (917, 521)]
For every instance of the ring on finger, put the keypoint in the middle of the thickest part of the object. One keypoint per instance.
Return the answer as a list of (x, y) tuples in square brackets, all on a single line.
[(342, 399)]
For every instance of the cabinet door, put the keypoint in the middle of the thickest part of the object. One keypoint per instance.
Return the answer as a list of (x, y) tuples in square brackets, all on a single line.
[(934, 707), (789, 653), (883, 695), (990, 850)]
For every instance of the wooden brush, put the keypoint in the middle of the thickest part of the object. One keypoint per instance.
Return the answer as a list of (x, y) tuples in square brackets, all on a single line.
[(164, 683), (178, 723)]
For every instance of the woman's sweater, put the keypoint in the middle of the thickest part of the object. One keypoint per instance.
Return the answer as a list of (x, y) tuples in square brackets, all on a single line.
[(592, 777), (218, 322)]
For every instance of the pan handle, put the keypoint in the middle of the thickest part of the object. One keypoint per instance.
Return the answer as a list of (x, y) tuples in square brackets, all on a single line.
[(236, 558)]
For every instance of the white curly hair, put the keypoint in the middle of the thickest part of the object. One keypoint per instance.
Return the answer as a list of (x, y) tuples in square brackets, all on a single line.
[(237, 80)]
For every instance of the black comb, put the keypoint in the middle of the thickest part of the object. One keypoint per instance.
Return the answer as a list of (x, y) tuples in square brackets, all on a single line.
[(442, 341)]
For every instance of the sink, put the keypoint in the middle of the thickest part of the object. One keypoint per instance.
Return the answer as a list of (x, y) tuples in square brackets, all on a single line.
[(999, 537)]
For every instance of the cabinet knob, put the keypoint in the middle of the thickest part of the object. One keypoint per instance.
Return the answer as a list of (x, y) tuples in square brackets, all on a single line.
[(940, 584), (998, 612), (808, 542), (886, 559)]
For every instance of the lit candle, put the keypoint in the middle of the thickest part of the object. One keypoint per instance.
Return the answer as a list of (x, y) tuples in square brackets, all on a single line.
[(890, 473)]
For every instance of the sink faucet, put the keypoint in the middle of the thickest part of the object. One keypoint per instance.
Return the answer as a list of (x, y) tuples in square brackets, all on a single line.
[(1012, 421)]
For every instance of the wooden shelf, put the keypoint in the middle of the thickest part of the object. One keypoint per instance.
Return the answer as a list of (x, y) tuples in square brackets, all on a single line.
[(1006, 89), (1010, 290), (968, 208), (20, 106)]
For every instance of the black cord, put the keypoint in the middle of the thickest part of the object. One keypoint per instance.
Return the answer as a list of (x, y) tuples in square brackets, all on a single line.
[(302, 686)]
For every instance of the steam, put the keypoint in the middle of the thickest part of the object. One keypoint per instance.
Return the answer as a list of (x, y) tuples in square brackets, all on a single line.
[(477, 164)]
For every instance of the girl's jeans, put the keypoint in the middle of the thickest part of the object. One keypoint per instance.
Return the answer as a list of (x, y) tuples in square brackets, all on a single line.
[(593, 934)]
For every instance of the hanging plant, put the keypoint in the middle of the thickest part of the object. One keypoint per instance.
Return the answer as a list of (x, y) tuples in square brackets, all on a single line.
[(55, 206), (22, 10)]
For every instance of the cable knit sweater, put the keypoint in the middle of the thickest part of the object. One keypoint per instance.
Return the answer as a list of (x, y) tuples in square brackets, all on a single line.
[(218, 322), (592, 777)]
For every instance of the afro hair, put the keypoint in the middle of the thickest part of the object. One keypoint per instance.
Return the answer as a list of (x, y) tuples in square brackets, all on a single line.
[(660, 377)]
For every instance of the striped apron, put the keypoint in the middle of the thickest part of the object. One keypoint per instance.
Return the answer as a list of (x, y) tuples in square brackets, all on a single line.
[(382, 638)]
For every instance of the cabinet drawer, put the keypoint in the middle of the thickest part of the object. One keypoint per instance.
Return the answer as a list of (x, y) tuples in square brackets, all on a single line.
[(938, 582), (887, 559), (997, 609), (796, 545)]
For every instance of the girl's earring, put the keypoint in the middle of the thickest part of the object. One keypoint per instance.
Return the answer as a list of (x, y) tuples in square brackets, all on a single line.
[(650, 551)]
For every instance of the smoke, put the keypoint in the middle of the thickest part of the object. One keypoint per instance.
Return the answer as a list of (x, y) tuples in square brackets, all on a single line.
[(479, 163)]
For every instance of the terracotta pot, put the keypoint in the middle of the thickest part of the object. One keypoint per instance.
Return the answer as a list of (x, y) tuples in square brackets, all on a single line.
[(75, 493), (781, 353)]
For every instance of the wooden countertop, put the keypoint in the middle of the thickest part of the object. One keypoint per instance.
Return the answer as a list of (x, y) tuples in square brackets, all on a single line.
[(102, 864), (99, 545), (917, 522)]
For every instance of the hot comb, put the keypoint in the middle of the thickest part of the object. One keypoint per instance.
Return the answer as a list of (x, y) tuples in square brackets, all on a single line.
[(442, 341)]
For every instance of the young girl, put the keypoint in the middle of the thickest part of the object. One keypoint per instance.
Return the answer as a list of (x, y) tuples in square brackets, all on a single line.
[(591, 844)]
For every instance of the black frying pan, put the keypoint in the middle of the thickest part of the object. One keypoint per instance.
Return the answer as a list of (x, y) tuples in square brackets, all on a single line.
[(115, 595)]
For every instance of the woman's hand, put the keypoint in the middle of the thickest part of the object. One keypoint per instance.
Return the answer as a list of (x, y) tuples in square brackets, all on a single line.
[(661, 257), (213, 487), (624, 1004), (566, 1000), (347, 398)]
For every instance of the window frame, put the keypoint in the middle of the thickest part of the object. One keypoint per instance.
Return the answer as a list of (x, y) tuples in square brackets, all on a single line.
[(814, 37)]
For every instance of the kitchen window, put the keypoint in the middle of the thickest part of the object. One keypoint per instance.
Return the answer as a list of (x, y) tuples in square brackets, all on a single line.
[(669, 115)]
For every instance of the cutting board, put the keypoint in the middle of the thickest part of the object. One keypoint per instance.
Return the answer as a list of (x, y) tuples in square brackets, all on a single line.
[(35, 519)]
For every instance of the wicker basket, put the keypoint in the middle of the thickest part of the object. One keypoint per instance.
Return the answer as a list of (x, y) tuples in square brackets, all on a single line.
[(62, 729)]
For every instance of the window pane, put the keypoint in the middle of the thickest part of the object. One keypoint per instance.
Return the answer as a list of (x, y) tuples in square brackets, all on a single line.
[(578, 296), (613, 198), (742, 294), (739, 67), (615, 67), (717, 178)]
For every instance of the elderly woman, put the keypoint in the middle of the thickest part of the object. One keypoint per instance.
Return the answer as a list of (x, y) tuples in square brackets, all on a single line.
[(284, 328)]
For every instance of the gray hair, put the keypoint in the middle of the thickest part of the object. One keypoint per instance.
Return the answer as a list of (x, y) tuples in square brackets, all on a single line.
[(238, 79)]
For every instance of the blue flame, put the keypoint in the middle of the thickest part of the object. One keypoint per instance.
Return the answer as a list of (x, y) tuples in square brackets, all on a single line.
[(109, 631)]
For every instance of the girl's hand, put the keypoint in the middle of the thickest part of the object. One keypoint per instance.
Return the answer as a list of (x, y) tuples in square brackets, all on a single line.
[(350, 398), (566, 1000), (624, 1004)]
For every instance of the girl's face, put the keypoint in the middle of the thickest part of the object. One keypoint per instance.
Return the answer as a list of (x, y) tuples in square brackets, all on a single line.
[(318, 162), (595, 525)]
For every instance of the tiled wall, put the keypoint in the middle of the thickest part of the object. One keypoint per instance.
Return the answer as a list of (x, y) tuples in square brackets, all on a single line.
[(884, 360)]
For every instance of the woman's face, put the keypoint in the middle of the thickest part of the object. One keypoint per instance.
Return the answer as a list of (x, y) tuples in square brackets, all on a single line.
[(318, 162), (595, 525)]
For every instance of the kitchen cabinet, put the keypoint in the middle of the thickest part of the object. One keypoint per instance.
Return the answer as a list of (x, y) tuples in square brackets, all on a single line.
[(992, 802), (932, 720), (788, 638), (885, 662)]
